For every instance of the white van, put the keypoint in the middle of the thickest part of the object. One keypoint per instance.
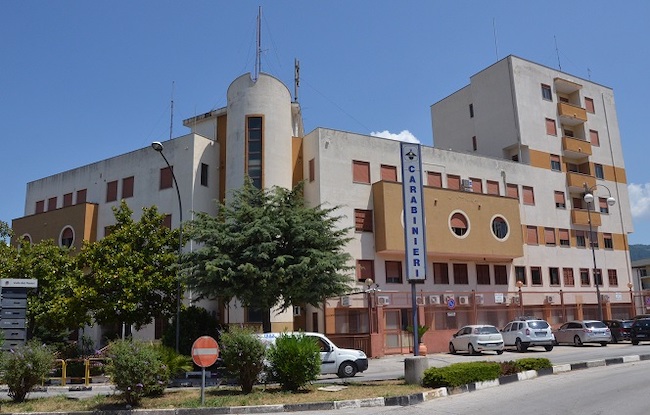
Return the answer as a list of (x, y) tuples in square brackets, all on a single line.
[(342, 362)]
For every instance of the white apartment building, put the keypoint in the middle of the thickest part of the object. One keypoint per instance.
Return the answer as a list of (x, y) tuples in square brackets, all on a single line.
[(506, 222)]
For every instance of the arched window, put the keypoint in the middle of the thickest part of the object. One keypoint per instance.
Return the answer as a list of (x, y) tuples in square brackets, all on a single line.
[(499, 227), (459, 224), (67, 237)]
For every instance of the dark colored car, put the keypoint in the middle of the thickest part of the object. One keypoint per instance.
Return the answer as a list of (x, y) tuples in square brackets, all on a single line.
[(620, 329), (640, 331)]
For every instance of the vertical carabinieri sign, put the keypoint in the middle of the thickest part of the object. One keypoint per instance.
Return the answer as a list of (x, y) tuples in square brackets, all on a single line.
[(414, 226)]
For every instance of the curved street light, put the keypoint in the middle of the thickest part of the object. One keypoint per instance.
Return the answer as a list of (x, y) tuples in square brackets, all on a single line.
[(157, 145), (589, 198)]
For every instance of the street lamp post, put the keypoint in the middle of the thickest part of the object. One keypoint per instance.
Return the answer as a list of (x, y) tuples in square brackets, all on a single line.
[(589, 198), (157, 145), (371, 290), (521, 300)]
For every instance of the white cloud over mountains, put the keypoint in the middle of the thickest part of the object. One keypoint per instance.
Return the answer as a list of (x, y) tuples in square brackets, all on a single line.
[(639, 200), (405, 135)]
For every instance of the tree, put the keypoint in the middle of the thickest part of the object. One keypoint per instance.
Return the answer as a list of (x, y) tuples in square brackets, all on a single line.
[(131, 277), (266, 248), (195, 322), (5, 231)]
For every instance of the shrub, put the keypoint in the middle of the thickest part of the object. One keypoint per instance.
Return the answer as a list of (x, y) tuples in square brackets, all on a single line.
[(294, 361), (532, 363), (509, 368), (25, 367), (243, 356), (136, 369), (176, 363), (459, 374)]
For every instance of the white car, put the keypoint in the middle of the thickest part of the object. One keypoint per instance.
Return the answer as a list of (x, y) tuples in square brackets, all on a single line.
[(476, 339), (583, 331), (526, 332)]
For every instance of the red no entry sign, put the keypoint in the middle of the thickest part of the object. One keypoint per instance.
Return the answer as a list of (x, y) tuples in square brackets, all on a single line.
[(205, 351)]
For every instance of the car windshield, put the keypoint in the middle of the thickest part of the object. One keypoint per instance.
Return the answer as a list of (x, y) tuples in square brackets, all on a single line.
[(595, 325), (538, 324), (486, 330), (626, 324)]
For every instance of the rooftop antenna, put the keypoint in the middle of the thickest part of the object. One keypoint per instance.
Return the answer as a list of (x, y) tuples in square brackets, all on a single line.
[(557, 52), (589, 74), (171, 114), (296, 79), (496, 45), (258, 59)]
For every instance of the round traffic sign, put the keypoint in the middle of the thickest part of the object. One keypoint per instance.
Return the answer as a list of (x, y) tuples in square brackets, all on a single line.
[(205, 351), (451, 303)]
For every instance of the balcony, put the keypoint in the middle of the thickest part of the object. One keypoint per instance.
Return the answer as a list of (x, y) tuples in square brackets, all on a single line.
[(571, 114), (581, 217), (575, 147), (576, 181)]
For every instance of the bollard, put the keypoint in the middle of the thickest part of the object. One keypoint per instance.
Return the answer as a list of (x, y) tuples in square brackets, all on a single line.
[(414, 368)]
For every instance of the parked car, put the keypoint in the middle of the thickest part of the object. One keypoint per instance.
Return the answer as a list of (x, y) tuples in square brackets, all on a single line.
[(640, 331), (620, 329), (476, 339), (526, 332), (579, 332)]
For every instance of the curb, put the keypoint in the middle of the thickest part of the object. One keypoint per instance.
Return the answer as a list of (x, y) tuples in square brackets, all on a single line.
[(405, 400)]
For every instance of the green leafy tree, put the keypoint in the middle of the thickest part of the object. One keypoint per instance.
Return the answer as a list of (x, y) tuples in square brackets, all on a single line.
[(5, 231), (268, 249), (131, 277), (195, 322)]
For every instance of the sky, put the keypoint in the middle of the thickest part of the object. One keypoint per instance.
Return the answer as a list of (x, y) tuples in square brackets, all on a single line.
[(82, 81)]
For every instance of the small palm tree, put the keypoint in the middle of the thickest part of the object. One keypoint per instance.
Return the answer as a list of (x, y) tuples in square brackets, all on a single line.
[(176, 363)]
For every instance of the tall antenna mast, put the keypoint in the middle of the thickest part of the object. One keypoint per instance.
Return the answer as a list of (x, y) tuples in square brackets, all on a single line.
[(171, 114), (258, 57), (496, 45), (296, 79), (557, 52)]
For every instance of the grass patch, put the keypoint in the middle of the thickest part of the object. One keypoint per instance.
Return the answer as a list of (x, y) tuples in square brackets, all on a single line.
[(218, 396)]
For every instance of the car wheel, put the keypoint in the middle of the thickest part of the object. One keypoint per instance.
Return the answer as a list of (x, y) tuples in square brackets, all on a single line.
[(603, 344), (347, 370), (521, 348), (635, 342), (548, 348), (577, 342), (499, 351), (470, 349), (452, 349)]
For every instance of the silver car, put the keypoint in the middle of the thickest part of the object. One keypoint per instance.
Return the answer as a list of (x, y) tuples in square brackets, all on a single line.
[(583, 331), (476, 339), (528, 332)]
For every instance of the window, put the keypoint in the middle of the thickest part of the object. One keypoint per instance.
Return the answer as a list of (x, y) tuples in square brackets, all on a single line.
[(500, 275), (458, 223), (608, 241), (593, 137), (549, 236), (108, 230), (363, 220), (127, 187), (440, 273), (312, 170), (593, 240), (453, 182), (360, 171), (67, 199), (551, 129), (499, 227), (589, 105), (167, 221), (492, 187), (111, 191), (612, 277), (580, 239), (471, 110), (393, 272), (604, 207), (204, 174), (560, 202), (546, 92), (600, 173), (568, 277), (482, 274), (555, 163), (564, 237), (554, 275), (40, 206), (254, 145), (460, 274), (528, 195), (67, 237), (512, 190), (598, 277), (520, 274), (166, 177), (474, 143), (536, 275), (51, 204), (569, 133), (388, 173), (365, 269), (477, 185), (584, 277), (531, 235), (434, 179), (81, 196)]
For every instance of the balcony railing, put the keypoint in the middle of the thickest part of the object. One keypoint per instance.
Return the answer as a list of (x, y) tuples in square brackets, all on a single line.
[(576, 147), (576, 181), (571, 114), (581, 217)]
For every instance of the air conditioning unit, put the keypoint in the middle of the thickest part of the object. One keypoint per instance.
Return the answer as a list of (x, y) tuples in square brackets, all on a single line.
[(419, 300), (345, 301), (297, 310), (449, 296), (604, 298), (463, 300), (383, 300), (549, 299), (466, 184), (479, 298), (434, 299), (514, 299)]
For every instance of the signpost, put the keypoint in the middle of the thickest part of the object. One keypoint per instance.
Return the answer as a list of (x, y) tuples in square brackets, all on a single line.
[(205, 352)]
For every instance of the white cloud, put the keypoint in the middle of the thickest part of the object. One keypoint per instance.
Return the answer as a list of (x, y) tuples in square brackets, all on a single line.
[(639, 200), (405, 135)]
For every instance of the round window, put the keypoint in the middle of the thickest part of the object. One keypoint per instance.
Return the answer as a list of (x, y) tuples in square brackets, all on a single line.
[(67, 237), (459, 224), (500, 228)]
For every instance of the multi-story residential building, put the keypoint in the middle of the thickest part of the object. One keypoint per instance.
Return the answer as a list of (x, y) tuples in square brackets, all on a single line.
[(507, 227)]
